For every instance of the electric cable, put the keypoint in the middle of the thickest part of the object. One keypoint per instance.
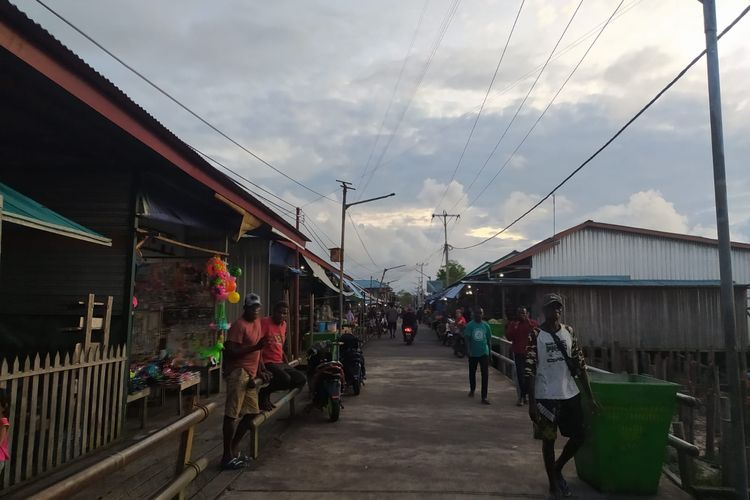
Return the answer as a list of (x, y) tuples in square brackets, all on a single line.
[(177, 101), (481, 106), (614, 137), (395, 90), (544, 111)]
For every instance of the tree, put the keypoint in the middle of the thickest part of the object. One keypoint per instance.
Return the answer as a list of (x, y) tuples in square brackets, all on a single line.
[(405, 298), (457, 272)]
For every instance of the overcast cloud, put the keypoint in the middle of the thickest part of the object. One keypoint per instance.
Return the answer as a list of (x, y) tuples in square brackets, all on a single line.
[(306, 85)]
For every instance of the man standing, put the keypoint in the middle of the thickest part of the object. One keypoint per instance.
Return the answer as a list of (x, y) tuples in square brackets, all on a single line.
[(392, 316), (284, 377), (518, 332), (242, 362), (478, 337), (553, 361)]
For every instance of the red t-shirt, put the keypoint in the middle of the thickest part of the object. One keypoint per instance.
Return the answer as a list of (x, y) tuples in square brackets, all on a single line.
[(273, 352), (461, 321), (518, 333), (244, 332)]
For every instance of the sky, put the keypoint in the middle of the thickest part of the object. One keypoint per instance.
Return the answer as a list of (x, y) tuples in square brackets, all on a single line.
[(384, 95)]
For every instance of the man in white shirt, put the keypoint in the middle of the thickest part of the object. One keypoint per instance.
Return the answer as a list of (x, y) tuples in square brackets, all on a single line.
[(553, 362)]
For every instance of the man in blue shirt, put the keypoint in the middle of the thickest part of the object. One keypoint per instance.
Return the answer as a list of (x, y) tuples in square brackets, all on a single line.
[(478, 344)]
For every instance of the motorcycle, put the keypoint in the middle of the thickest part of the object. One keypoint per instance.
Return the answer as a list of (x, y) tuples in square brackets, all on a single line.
[(439, 325), (451, 333), (354, 368), (325, 380), (409, 334)]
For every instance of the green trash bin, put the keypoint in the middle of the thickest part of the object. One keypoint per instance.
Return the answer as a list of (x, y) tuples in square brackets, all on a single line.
[(625, 443)]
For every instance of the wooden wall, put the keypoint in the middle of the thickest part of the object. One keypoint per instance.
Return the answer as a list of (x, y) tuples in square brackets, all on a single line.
[(648, 318)]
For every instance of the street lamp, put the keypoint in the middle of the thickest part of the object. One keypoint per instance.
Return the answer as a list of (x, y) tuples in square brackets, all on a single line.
[(389, 269), (346, 186)]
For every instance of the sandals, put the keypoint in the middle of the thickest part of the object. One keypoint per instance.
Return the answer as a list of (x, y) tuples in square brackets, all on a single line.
[(233, 464), (562, 484)]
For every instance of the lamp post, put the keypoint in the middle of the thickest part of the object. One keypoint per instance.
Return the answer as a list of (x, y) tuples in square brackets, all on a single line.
[(385, 271), (347, 186)]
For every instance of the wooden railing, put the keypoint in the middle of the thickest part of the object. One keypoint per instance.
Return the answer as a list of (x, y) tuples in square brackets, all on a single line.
[(61, 409)]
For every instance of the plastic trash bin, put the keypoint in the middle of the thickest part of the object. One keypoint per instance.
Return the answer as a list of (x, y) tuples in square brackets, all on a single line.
[(625, 443)]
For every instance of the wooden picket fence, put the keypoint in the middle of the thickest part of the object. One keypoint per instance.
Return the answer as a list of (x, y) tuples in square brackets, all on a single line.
[(61, 409)]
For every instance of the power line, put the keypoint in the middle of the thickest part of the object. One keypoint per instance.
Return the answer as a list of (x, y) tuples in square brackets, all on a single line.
[(484, 101), (615, 136), (359, 237), (447, 20), (175, 100), (395, 90), (539, 118), (526, 97), (511, 86), (323, 246)]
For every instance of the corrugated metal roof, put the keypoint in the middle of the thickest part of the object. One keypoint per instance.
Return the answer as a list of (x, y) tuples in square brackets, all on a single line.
[(20, 209), (46, 41)]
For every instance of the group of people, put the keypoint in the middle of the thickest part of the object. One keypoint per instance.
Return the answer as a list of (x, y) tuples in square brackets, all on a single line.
[(254, 347), (548, 360), (390, 316)]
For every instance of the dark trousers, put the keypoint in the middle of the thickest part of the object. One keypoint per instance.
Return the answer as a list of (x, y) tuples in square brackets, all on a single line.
[(520, 360), (484, 364), (284, 378)]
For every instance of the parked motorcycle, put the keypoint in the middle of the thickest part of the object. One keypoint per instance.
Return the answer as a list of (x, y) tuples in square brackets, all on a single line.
[(354, 368), (409, 335), (459, 345), (325, 380), (451, 332)]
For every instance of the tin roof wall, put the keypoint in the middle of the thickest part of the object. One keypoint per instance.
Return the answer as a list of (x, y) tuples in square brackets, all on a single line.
[(31, 43), (594, 248)]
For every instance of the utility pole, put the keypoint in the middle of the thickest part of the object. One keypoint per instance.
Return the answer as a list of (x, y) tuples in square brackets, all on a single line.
[(297, 306), (446, 217), (420, 290), (737, 437)]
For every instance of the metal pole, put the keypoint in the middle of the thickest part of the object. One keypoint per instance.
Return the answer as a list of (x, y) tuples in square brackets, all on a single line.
[(345, 187), (725, 253), (297, 305), (445, 229)]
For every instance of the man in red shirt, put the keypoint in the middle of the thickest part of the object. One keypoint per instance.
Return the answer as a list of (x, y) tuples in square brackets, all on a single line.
[(242, 363), (518, 332), (284, 377)]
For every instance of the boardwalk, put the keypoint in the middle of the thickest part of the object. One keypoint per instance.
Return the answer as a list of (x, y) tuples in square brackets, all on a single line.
[(412, 433)]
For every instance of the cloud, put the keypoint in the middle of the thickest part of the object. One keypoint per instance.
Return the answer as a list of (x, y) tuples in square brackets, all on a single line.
[(646, 209)]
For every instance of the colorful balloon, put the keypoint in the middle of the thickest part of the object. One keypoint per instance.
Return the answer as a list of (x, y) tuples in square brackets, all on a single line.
[(233, 297), (231, 285), (236, 271)]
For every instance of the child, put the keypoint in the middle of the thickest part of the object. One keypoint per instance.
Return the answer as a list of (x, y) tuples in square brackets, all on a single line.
[(4, 429)]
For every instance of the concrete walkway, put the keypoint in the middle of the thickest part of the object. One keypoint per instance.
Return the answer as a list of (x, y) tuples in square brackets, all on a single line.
[(412, 433)]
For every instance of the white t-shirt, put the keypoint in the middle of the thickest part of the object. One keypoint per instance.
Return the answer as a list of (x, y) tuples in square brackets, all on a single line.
[(553, 379)]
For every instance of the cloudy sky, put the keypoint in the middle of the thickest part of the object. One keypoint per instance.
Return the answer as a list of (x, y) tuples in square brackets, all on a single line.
[(384, 94)]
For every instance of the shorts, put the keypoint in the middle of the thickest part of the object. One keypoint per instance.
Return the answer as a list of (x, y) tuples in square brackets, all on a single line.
[(241, 399), (568, 418)]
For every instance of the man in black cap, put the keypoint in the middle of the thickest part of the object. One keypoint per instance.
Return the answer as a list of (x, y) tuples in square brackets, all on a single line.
[(553, 362)]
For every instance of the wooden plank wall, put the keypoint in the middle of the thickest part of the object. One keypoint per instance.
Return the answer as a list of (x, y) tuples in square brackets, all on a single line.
[(648, 318), (61, 408)]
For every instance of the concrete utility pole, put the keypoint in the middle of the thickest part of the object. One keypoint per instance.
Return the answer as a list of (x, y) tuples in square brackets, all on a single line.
[(446, 217), (420, 289), (346, 187), (737, 438)]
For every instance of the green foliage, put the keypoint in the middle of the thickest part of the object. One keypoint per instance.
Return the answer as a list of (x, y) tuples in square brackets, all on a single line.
[(457, 272)]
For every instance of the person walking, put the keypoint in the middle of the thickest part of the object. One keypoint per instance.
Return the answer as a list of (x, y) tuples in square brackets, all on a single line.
[(478, 337), (283, 376), (518, 332), (242, 362), (553, 361), (391, 316)]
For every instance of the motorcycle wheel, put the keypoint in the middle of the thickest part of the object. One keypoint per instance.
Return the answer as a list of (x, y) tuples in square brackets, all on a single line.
[(356, 387), (333, 408)]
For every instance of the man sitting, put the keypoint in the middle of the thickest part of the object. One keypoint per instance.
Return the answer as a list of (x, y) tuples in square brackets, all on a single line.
[(284, 376)]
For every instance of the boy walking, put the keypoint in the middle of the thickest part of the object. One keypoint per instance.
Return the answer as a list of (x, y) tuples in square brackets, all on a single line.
[(553, 361), (478, 337)]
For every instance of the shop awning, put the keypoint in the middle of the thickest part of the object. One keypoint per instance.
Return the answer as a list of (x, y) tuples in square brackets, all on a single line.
[(22, 210), (355, 290), (453, 291), (320, 273)]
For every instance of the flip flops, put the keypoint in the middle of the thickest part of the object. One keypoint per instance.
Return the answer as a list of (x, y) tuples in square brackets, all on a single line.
[(233, 464)]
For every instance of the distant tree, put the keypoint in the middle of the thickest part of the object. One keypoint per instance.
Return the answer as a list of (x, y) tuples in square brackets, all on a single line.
[(457, 272), (405, 298)]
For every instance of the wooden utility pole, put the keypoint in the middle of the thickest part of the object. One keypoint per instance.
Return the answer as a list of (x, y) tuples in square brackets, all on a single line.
[(446, 217)]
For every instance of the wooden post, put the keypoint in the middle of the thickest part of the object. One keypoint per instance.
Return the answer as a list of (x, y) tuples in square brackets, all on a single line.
[(107, 321), (88, 324), (184, 453), (685, 463)]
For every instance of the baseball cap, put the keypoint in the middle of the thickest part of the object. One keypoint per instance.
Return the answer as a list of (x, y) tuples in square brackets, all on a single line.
[(551, 298), (252, 300)]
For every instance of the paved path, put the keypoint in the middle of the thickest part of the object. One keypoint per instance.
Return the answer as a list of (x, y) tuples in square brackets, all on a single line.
[(412, 433)]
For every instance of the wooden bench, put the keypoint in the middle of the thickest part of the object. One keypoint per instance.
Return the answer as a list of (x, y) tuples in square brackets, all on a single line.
[(181, 386), (141, 395)]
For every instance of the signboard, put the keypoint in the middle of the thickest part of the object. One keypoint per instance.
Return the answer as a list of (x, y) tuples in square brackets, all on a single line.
[(336, 255)]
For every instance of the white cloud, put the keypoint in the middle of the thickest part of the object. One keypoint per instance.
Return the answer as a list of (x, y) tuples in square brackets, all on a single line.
[(647, 209)]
